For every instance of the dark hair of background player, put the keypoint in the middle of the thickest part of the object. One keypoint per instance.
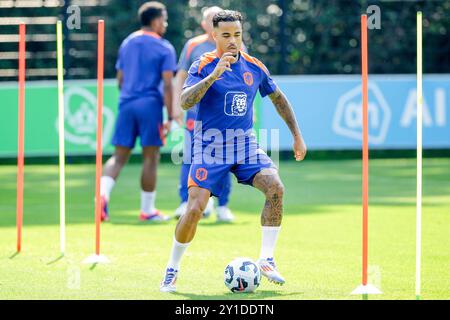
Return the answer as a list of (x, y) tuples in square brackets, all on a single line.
[(149, 11)]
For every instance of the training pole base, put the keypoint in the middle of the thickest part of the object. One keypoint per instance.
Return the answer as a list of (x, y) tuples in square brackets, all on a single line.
[(366, 289), (96, 258)]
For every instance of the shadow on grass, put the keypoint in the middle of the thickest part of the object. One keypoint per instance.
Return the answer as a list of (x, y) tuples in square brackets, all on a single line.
[(259, 294), (56, 259), (15, 254)]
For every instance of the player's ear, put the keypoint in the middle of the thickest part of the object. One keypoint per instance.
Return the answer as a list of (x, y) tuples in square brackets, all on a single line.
[(214, 34), (154, 24), (203, 24)]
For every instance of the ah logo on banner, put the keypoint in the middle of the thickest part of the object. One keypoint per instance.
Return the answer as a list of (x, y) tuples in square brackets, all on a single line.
[(80, 115), (430, 119), (347, 119)]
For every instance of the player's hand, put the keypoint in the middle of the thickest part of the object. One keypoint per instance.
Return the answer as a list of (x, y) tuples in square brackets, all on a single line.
[(177, 116), (167, 128), (224, 64), (299, 149), (178, 119)]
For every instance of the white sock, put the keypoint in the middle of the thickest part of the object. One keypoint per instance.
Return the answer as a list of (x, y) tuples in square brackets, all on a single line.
[(148, 201), (106, 185), (176, 254), (269, 240)]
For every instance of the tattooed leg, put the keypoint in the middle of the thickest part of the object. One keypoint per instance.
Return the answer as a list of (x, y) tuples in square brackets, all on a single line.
[(269, 182)]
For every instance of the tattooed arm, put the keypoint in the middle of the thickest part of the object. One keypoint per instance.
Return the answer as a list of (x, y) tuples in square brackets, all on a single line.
[(284, 109), (192, 95)]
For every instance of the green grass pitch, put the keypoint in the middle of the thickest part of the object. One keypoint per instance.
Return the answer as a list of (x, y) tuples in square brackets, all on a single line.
[(318, 251)]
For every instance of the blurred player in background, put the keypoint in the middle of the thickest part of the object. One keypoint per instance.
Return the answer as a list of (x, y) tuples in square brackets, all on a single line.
[(145, 59), (224, 83), (192, 50)]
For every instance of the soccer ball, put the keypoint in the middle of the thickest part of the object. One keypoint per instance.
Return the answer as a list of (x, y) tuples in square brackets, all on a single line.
[(242, 275)]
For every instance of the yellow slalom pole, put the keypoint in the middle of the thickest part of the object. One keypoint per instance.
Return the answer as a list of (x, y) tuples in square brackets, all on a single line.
[(62, 183), (419, 155)]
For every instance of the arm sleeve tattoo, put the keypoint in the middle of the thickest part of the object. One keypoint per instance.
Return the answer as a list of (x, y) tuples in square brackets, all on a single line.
[(284, 109), (192, 95)]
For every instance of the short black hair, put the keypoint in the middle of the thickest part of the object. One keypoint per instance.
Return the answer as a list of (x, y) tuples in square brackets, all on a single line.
[(149, 11), (226, 16)]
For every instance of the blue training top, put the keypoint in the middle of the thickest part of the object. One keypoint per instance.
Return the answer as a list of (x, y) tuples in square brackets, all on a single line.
[(143, 57)]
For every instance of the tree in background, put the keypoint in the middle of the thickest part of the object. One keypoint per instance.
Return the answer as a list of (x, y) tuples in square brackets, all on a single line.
[(307, 37)]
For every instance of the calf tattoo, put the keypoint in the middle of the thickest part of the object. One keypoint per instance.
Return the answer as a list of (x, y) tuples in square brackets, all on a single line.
[(273, 211), (270, 184)]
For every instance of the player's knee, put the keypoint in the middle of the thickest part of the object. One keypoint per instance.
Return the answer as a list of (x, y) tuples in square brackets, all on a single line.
[(276, 188), (152, 161), (121, 161), (118, 160), (194, 211)]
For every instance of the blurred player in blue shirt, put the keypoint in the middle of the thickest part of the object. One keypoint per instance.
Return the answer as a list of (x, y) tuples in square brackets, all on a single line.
[(192, 50), (145, 61), (224, 83)]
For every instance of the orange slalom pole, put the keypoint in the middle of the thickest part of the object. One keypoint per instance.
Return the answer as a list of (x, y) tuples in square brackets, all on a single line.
[(21, 136), (365, 182), (100, 62), (365, 288)]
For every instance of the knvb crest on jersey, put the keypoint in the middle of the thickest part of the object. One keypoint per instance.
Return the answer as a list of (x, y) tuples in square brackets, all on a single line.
[(201, 174), (235, 103), (248, 78)]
